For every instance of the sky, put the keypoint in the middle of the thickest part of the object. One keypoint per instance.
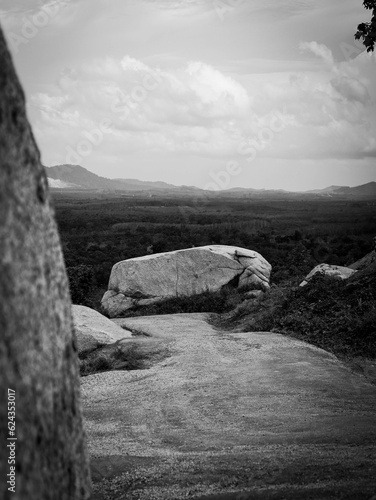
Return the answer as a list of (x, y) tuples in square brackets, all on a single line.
[(266, 94)]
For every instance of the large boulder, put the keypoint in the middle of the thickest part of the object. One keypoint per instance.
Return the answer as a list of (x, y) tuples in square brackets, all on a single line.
[(339, 272), (47, 459), (152, 278), (94, 330), (364, 262)]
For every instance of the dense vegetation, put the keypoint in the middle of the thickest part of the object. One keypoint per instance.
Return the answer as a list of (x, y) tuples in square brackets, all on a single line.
[(99, 230), (337, 316)]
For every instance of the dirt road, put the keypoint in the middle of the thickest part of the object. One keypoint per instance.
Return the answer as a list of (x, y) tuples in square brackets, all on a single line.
[(230, 416)]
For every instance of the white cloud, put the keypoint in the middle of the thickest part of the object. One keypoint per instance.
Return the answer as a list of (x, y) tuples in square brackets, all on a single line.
[(185, 109), (131, 64), (199, 109), (212, 86), (319, 50), (334, 110)]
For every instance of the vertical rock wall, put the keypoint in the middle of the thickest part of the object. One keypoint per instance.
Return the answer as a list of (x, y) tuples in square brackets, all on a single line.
[(37, 348)]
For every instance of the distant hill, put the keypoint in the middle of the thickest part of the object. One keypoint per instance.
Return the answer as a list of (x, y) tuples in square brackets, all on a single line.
[(147, 184), (329, 189), (368, 190), (79, 177), (365, 190), (59, 184), (75, 177)]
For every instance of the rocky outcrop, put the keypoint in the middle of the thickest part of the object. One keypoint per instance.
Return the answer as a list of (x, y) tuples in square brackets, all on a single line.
[(152, 278), (364, 262), (94, 330), (38, 355), (339, 272)]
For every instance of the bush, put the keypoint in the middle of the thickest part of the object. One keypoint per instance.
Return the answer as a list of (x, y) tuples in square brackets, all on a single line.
[(329, 313), (101, 363), (130, 356), (216, 302), (81, 283)]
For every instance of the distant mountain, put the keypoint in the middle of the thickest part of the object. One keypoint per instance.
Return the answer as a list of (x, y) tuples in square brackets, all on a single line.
[(79, 177), (365, 190), (137, 185), (240, 190), (328, 190), (256, 191), (75, 177), (368, 190), (59, 184)]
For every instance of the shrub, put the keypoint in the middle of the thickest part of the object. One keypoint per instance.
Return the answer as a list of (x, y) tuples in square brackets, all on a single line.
[(81, 282), (216, 302), (101, 363), (329, 313), (130, 356)]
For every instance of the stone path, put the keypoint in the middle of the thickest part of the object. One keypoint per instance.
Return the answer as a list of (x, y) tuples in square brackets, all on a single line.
[(244, 415)]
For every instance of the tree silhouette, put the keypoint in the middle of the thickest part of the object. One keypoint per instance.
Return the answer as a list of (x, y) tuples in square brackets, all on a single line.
[(367, 31)]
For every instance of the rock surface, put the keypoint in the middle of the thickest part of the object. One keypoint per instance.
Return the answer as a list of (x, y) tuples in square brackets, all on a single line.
[(254, 294), (364, 262), (38, 356), (152, 278), (339, 272), (230, 412), (94, 330)]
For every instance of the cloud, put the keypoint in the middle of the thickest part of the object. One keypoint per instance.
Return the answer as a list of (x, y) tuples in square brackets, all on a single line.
[(38, 13), (211, 86), (319, 50), (198, 109), (131, 64), (187, 109), (334, 110)]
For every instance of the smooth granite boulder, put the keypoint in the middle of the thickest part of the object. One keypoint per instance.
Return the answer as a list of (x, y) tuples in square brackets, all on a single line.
[(94, 330), (153, 278), (339, 272), (366, 261)]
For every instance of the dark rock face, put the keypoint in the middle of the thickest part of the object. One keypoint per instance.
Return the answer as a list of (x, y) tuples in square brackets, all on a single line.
[(38, 358)]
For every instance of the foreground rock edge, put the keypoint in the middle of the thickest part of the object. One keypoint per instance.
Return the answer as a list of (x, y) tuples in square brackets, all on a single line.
[(38, 354)]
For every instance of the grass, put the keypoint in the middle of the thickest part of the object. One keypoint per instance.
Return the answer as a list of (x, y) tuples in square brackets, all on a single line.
[(338, 316), (224, 300), (136, 332), (126, 356)]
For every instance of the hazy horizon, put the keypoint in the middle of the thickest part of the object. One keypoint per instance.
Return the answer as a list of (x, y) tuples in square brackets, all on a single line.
[(193, 185), (264, 94)]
